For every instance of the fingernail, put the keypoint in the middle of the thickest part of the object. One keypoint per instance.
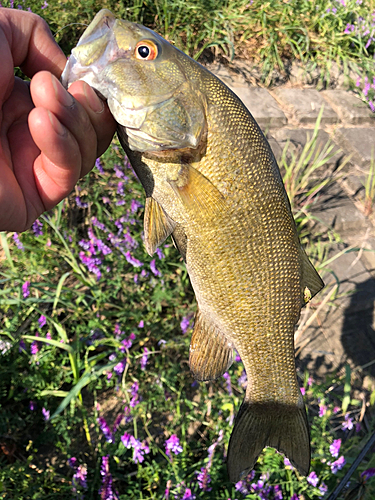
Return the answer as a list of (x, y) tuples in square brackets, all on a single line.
[(95, 103), (61, 94), (58, 127)]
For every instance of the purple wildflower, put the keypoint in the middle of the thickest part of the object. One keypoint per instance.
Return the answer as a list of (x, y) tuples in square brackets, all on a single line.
[(34, 348), (303, 391), (118, 171), (348, 424), (79, 478), (335, 448), (323, 488), (134, 206), (204, 479), (134, 393), (160, 254), (338, 464), (228, 382), (368, 473), (22, 346), (105, 429), (185, 324), (127, 343), (141, 324), (32, 406), (46, 414), (72, 462), (45, 5), (277, 492), (153, 268), (139, 450), (48, 336), (312, 478), (287, 464), (37, 228), (106, 492), (120, 189), (173, 445), (18, 242), (120, 367), (294, 496), (144, 358), (322, 410), (188, 495), (132, 260), (42, 321), (80, 203), (25, 289), (99, 165), (117, 422), (125, 439)]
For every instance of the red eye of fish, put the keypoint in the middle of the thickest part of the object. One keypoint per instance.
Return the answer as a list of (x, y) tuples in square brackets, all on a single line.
[(146, 50)]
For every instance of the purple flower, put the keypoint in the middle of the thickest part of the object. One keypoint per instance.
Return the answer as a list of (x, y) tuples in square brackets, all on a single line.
[(173, 445), (185, 324), (25, 289), (42, 321), (204, 479), (322, 410), (45, 5), (153, 268), (117, 422), (99, 165), (134, 393), (80, 203), (120, 188), (312, 478), (106, 492), (287, 463), (34, 348), (323, 488), (335, 448), (120, 367), (139, 450), (79, 478), (188, 495), (337, 465), (144, 358), (105, 429), (294, 496), (348, 424), (277, 492), (32, 406), (37, 228), (141, 324), (134, 206), (228, 381), (18, 242), (132, 260), (22, 346), (45, 414), (160, 254), (125, 439), (368, 473), (72, 462)]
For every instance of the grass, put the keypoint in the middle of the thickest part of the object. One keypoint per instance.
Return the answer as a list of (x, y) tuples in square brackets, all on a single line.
[(96, 396)]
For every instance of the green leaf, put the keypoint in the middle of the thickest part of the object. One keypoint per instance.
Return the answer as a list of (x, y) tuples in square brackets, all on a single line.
[(56, 343)]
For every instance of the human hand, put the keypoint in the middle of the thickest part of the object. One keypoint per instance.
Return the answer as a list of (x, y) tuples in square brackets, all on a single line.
[(49, 137)]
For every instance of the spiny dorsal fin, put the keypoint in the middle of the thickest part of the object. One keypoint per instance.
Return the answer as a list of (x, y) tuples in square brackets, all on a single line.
[(257, 425), (311, 282), (210, 352), (157, 225), (197, 193)]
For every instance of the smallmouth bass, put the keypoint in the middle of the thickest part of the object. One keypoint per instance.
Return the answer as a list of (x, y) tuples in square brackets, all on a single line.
[(212, 183)]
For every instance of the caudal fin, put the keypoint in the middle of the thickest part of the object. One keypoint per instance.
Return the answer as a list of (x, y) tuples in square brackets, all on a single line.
[(258, 425)]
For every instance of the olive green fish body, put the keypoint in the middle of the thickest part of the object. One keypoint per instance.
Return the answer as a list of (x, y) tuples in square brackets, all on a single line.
[(213, 184)]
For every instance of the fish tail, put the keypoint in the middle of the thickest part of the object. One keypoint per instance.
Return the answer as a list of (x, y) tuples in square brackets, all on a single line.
[(257, 425)]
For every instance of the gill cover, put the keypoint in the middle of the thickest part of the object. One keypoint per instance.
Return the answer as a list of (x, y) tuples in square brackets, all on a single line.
[(141, 76)]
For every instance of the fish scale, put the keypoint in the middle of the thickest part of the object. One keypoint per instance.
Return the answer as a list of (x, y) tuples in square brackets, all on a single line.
[(213, 184)]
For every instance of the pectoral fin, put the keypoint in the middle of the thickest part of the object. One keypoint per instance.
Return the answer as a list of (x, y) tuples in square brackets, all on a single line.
[(157, 225), (311, 281), (210, 352), (197, 193)]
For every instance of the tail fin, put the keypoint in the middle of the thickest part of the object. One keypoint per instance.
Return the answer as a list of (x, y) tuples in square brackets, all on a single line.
[(258, 425)]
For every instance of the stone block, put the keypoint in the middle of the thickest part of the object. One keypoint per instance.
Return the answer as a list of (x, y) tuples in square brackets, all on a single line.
[(297, 140), (261, 105), (360, 142), (306, 104), (349, 107)]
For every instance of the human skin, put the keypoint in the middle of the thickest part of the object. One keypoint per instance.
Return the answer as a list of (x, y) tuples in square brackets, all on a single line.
[(49, 138)]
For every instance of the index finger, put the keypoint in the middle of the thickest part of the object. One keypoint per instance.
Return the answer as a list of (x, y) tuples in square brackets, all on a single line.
[(26, 41)]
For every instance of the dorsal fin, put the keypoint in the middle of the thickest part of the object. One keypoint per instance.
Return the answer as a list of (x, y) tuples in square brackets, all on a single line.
[(311, 282), (157, 225), (211, 354)]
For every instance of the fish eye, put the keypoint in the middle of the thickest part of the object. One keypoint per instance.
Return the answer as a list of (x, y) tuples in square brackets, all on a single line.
[(146, 50)]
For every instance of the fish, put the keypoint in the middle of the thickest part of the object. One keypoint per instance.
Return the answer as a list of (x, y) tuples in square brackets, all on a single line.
[(212, 183)]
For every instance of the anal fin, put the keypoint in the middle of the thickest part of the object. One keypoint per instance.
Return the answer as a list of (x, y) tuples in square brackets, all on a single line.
[(210, 352), (157, 225), (279, 425)]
